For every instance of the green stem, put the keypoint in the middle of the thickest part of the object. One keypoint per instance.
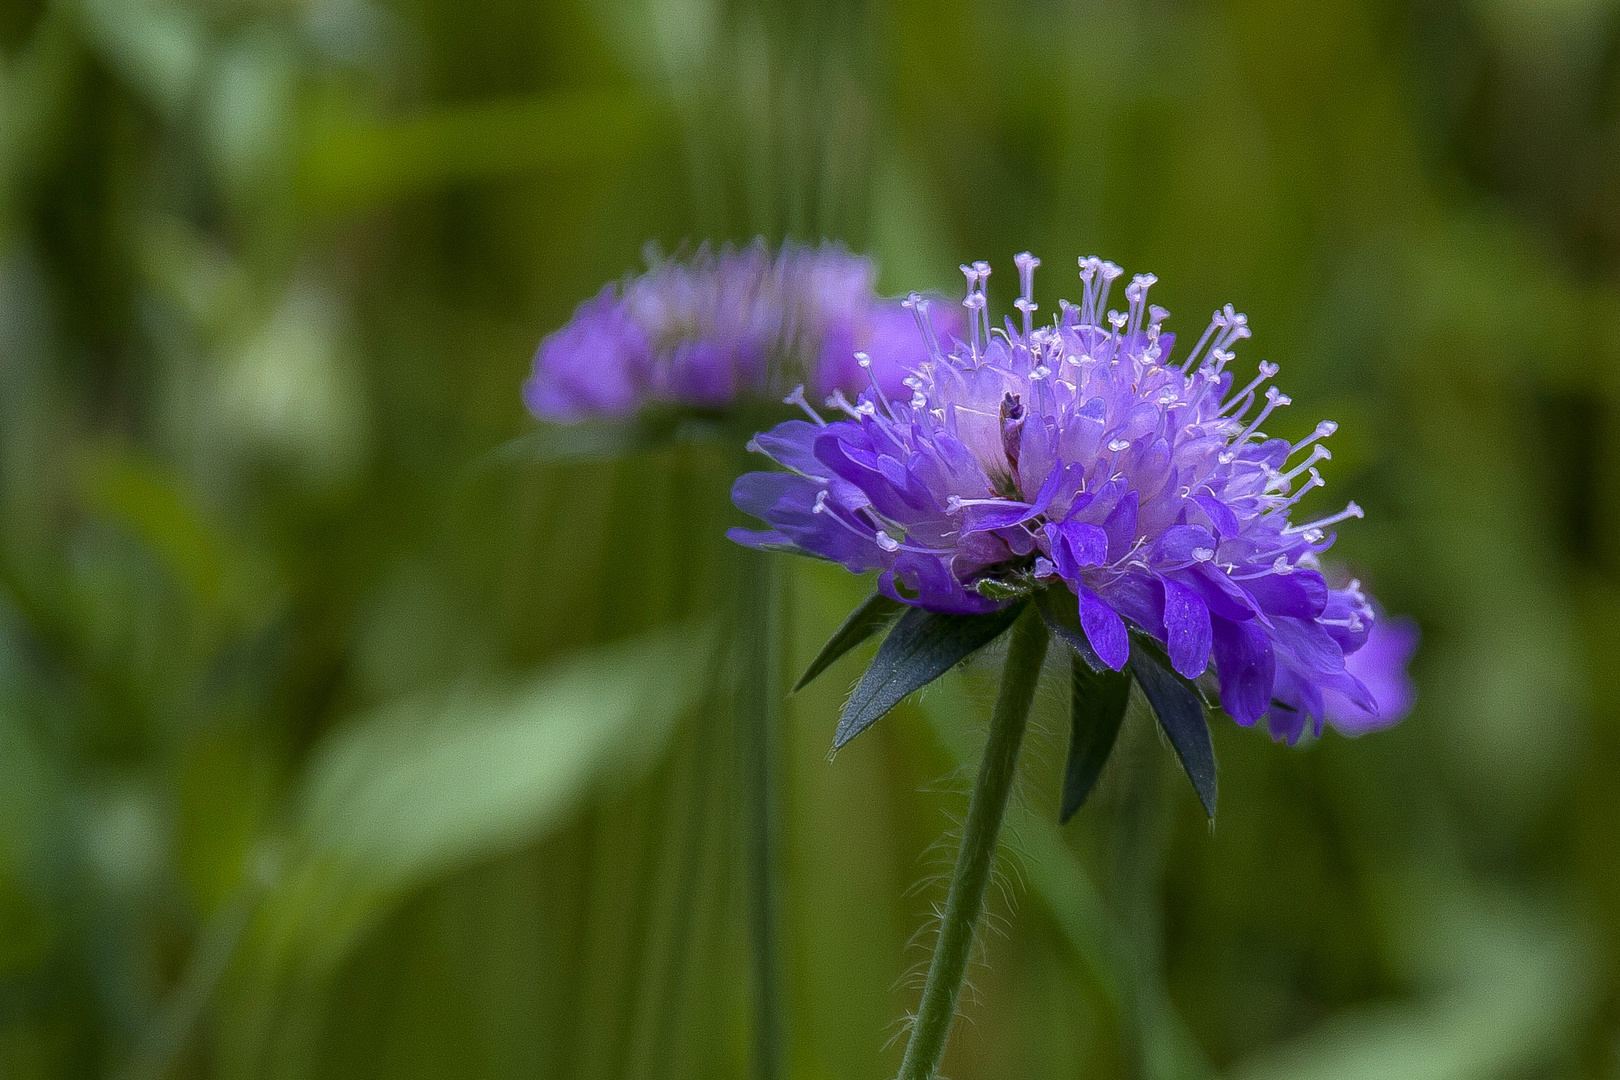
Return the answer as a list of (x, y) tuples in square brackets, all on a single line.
[(978, 853), (759, 699)]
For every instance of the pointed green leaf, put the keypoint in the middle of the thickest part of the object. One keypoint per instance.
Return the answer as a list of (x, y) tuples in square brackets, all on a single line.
[(922, 646), (1061, 611), (1098, 706), (1181, 715), (873, 615)]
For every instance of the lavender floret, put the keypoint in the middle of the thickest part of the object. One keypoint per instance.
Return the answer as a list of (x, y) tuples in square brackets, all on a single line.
[(1078, 452)]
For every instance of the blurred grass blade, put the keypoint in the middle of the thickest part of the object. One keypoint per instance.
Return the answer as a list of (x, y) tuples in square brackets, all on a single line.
[(1097, 706), (922, 646), (1181, 715), (1508, 987), (355, 164), (873, 615), (435, 783)]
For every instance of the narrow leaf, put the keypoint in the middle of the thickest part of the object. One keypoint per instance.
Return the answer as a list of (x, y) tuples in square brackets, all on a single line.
[(1060, 608), (1098, 706), (873, 615), (1181, 715), (922, 646)]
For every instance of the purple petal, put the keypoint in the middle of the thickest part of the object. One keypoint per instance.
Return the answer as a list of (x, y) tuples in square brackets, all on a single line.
[(1015, 513), (1104, 629), (1138, 597), (1186, 624), (1076, 545), (1380, 668), (1301, 594), (1224, 596), (1220, 515), (1121, 526), (1247, 668), (1184, 544), (791, 443)]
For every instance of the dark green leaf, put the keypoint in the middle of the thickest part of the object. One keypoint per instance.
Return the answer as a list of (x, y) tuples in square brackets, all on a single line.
[(1181, 715), (1205, 688), (922, 646), (1096, 710), (873, 615), (1061, 611)]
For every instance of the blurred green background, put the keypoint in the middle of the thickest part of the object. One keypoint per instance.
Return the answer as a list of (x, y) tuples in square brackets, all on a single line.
[(337, 741)]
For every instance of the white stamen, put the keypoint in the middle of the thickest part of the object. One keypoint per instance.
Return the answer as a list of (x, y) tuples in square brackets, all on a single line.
[(1136, 296), (837, 400), (1351, 511), (1267, 371), (1315, 481), (1025, 303), (1282, 480), (919, 310), (1323, 430), (1209, 330), (1274, 398), (797, 398)]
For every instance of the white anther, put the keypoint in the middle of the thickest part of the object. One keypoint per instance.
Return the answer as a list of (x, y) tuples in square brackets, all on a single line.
[(886, 542), (797, 398), (1203, 554), (1116, 445), (1323, 430)]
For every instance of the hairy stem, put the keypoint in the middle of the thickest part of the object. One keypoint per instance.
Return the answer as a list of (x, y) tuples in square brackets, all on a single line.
[(978, 852)]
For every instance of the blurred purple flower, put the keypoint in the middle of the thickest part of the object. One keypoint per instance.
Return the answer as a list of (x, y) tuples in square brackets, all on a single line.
[(1380, 664), (719, 328), (1076, 452)]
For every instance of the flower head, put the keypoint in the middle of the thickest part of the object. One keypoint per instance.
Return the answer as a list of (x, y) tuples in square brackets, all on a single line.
[(1079, 452), (719, 328)]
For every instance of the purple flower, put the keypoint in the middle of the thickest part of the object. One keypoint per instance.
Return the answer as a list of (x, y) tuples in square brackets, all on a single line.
[(1079, 453), (719, 328)]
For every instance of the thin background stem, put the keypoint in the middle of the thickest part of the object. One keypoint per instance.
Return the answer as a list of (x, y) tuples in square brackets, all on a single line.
[(759, 713)]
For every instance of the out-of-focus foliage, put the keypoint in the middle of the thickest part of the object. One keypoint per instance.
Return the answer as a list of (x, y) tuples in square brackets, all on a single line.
[(337, 740)]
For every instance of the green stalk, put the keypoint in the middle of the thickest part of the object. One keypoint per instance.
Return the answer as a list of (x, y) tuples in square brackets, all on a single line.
[(978, 852), (759, 715)]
